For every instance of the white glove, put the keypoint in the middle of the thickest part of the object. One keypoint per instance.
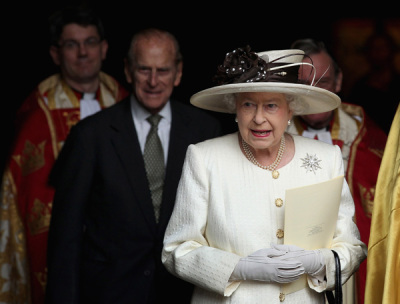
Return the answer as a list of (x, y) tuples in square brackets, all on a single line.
[(312, 260), (263, 266)]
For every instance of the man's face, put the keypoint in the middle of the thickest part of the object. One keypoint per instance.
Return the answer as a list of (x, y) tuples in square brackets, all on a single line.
[(155, 73), (325, 78), (80, 53)]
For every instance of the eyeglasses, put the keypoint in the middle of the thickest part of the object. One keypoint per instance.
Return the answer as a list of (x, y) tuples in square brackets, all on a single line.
[(74, 45)]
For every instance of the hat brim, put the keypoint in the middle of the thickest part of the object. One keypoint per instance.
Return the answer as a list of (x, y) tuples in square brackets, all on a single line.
[(314, 99)]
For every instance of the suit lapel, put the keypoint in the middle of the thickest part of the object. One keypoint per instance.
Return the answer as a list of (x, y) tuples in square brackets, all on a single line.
[(178, 143), (125, 141)]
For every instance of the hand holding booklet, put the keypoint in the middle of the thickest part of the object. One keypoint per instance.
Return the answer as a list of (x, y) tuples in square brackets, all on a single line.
[(311, 214)]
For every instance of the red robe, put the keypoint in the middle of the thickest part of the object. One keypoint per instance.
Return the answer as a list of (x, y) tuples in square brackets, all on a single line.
[(362, 173), (42, 125), (364, 159)]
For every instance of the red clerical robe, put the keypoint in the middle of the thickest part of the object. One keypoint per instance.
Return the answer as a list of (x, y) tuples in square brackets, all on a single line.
[(42, 125), (362, 143), (362, 173)]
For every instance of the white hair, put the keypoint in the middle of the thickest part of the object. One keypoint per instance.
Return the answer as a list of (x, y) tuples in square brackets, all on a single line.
[(295, 103), (230, 102)]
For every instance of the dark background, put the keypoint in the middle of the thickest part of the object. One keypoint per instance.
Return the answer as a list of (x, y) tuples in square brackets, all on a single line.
[(205, 30)]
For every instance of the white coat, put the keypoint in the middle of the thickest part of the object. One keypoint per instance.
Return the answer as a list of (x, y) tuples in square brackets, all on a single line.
[(225, 209)]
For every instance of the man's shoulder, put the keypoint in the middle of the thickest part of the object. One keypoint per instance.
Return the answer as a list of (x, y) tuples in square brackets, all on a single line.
[(41, 89), (191, 111), (371, 134), (357, 113), (113, 111), (48, 83), (115, 115), (114, 86), (352, 110), (196, 120)]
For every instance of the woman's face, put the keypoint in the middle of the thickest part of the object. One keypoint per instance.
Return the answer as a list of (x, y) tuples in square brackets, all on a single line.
[(262, 118)]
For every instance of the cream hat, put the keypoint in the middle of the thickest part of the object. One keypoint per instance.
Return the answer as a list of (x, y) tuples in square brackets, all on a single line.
[(271, 71)]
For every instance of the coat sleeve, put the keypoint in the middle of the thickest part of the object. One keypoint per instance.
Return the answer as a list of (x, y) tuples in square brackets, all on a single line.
[(346, 240), (71, 176), (186, 252)]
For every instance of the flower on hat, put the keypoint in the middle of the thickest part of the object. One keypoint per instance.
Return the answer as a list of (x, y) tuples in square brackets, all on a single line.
[(242, 65)]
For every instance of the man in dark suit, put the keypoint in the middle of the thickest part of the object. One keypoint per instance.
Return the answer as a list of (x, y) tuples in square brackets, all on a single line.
[(105, 239)]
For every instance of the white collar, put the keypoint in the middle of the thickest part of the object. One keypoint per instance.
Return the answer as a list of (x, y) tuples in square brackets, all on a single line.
[(140, 114)]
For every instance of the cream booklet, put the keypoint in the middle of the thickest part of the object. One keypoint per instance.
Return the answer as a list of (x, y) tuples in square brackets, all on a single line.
[(310, 219)]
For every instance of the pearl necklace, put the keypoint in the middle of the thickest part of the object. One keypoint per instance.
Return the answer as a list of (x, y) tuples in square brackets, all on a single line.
[(271, 167)]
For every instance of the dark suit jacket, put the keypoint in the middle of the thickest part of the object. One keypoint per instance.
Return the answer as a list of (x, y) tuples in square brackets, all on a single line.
[(104, 244)]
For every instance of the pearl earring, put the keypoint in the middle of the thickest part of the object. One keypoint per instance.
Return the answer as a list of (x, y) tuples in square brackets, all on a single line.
[(289, 122), (236, 119)]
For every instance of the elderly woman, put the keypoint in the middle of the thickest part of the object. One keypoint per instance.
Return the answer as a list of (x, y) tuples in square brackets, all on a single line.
[(226, 233)]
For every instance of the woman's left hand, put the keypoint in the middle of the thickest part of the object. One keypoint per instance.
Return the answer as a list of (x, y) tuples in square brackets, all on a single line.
[(312, 260)]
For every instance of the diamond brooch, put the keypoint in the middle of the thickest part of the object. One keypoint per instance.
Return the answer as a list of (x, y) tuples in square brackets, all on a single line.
[(311, 163)]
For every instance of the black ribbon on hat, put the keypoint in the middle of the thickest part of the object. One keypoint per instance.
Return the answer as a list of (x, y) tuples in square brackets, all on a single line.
[(242, 65)]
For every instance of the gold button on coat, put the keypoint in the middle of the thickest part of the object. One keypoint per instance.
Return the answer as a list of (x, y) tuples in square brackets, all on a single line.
[(279, 202), (279, 233)]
